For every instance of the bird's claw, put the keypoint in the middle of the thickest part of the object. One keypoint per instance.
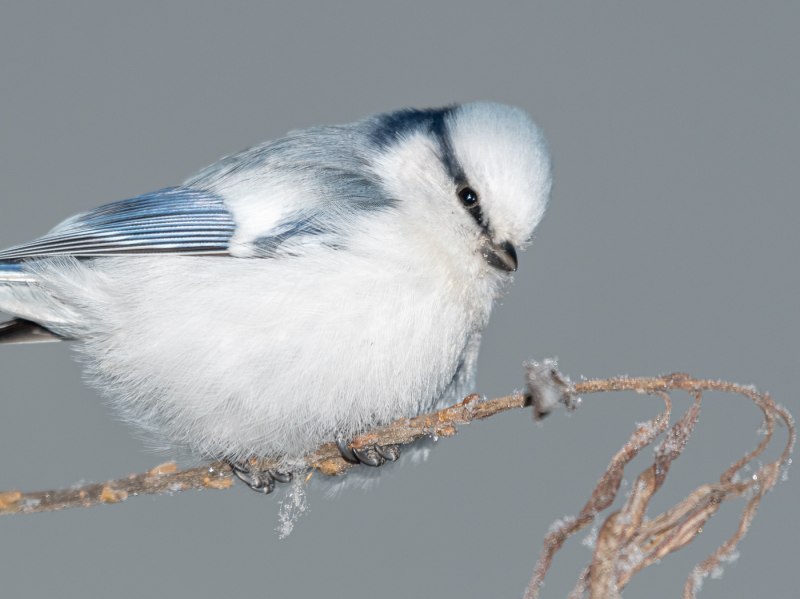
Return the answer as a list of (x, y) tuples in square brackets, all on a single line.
[(374, 455), (261, 481)]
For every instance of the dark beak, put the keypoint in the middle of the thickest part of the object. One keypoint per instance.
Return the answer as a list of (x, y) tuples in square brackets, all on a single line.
[(500, 255)]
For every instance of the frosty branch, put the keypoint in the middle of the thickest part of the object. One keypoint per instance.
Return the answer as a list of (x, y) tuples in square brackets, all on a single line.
[(627, 541), (327, 460)]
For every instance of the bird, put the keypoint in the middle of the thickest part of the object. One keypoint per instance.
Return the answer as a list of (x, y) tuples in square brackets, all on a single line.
[(300, 291)]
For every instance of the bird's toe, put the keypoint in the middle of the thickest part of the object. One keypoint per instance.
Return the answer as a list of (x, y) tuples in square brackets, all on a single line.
[(373, 455), (261, 481)]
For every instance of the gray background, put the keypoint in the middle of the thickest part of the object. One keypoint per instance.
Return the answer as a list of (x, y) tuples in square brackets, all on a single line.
[(670, 244)]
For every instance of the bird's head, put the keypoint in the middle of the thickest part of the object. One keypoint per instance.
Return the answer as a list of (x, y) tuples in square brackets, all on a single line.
[(475, 178)]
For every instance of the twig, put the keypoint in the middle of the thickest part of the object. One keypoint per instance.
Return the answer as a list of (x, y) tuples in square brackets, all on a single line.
[(326, 459), (627, 541)]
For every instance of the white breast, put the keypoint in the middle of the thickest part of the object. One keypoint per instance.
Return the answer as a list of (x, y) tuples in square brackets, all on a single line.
[(240, 357)]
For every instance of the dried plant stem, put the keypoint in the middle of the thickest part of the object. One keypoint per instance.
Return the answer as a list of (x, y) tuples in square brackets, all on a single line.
[(627, 541)]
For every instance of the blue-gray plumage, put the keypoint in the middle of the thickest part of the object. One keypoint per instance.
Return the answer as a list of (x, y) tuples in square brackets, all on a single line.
[(177, 219), (302, 290)]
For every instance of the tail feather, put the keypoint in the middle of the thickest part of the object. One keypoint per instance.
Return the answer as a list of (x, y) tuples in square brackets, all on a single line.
[(20, 330), (14, 282)]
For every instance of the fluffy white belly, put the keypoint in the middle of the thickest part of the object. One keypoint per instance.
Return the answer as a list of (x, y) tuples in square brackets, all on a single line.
[(242, 357)]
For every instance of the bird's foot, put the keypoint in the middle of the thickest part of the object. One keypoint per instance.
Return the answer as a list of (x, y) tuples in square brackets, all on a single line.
[(261, 481), (374, 455)]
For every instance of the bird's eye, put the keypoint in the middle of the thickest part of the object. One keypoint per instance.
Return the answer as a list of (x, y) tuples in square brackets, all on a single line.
[(468, 197)]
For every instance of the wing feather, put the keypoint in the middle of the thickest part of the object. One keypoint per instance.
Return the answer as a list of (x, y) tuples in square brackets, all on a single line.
[(177, 220)]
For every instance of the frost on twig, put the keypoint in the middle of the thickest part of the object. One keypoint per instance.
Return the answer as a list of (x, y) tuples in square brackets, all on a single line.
[(326, 459), (547, 387), (627, 541)]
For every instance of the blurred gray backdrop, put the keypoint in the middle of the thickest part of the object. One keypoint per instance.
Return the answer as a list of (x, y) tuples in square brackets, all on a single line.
[(670, 244)]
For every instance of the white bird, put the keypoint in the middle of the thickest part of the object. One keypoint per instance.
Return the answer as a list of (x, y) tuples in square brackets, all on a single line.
[(300, 291)]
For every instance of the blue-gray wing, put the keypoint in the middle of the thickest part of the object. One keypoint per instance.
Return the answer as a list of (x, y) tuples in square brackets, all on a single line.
[(178, 220)]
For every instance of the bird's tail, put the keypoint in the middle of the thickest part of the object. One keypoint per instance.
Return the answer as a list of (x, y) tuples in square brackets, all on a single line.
[(13, 281), (19, 330)]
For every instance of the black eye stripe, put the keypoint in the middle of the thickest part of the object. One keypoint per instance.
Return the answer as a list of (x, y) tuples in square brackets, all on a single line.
[(446, 153), (453, 168), (471, 201), (477, 214)]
